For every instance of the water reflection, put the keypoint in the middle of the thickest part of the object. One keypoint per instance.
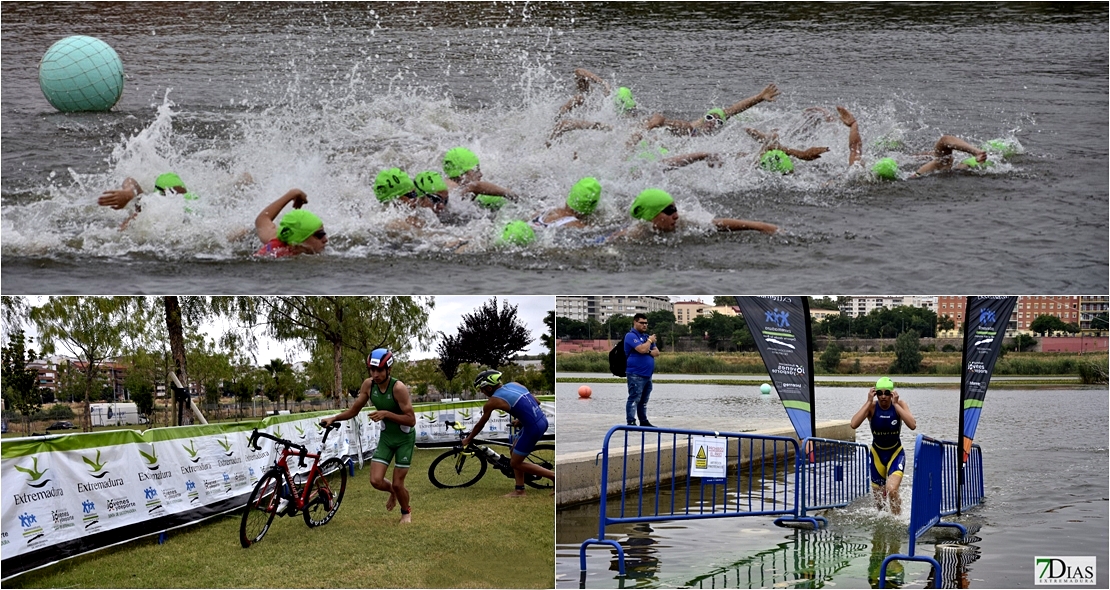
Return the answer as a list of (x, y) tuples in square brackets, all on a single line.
[(808, 560)]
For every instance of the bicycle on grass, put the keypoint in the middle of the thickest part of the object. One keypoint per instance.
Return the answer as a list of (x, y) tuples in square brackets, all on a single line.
[(463, 466), (279, 493)]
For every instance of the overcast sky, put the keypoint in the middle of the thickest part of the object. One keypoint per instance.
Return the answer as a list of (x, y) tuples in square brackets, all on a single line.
[(444, 317)]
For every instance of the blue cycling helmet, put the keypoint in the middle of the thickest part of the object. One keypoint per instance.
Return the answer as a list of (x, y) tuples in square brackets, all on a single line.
[(379, 358)]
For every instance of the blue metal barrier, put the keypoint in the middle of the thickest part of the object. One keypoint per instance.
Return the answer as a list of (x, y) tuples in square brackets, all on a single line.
[(833, 474), (655, 463), (973, 479), (929, 490)]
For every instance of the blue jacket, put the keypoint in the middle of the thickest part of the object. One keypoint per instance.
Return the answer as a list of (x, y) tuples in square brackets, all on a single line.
[(639, 364)]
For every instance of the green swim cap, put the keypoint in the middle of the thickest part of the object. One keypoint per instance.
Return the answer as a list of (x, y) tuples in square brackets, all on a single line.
[(719, 112), (884, 383), (650, 203), (430, 182), (776, 161), (975, 165), (167, 181), (490, 201), (298, 225), (624, 99), (518, 233), (1004, 147), (886, 168), (459, 161), (584, 195), (391, 184)]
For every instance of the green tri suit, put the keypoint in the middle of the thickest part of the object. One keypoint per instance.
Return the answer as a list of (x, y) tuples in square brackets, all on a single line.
[(396, 440)]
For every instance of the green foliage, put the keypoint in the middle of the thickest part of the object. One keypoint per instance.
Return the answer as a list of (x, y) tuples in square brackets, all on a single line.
[(59, 412), (549, 343), (1024, 342), (907, 353), (881, 323), (576, 330), (823, 303), (489, 336), (1049, 324), (20, 381), (724, 332), (1093, 372), (619, 324), (143, 396), (830, 358), (948, 348)]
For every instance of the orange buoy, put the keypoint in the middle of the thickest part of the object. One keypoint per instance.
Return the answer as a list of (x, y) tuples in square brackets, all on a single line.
[(585, 391)]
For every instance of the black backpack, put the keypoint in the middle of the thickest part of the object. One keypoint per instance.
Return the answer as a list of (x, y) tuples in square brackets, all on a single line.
[(618, 361)]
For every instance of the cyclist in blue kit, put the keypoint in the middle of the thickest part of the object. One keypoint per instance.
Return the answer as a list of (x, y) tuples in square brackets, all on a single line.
[(515, 399), (888, 459)]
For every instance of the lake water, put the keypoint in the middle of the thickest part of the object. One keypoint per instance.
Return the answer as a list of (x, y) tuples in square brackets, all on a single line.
[(1046, 479), (323, 96)]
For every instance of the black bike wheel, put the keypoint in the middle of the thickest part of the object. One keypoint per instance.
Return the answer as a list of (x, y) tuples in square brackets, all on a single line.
[(260, 510), (544, 456), (457, 468), (326, 493)]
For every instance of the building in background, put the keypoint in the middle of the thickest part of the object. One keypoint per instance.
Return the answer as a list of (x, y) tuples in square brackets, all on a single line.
[(861, 306), (602, 307)]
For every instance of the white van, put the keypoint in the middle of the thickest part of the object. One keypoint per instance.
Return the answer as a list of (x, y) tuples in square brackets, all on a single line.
[(115, 414)]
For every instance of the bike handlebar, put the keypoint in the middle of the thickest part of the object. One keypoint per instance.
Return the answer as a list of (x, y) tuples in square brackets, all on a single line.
[(255, 435)]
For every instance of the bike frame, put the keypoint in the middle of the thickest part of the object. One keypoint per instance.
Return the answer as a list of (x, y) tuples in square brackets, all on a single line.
[(292, 449)]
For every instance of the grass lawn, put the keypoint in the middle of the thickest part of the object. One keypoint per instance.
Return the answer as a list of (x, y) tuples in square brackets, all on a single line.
[(459, 538)]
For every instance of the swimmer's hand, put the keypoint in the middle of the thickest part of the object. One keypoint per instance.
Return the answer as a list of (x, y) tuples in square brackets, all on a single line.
[(116, 199), (299, 199), (769, 93)]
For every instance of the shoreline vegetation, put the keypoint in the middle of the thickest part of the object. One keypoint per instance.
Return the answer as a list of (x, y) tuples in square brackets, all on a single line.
[(1051, 369)]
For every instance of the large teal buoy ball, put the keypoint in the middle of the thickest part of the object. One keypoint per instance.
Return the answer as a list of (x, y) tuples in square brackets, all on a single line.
[(81, 74)]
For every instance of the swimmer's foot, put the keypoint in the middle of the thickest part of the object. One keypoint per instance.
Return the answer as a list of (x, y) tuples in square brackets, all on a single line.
[(845, 116), (406, 516), (391, 503), (517, 493)]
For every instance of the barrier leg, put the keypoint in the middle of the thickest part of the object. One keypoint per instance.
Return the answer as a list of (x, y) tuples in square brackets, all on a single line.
[(938, 581), (614, 544), (962, 528), (817, 522)]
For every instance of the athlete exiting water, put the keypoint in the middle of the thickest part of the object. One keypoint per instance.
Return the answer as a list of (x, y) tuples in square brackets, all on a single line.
[(888, 459), (393, 408)]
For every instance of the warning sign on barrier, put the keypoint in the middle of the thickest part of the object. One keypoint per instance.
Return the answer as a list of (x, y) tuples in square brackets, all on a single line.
[(708, 457)]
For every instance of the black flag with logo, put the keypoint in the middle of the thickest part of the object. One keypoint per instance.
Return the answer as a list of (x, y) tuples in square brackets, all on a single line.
[(985, 320), (780, 327)]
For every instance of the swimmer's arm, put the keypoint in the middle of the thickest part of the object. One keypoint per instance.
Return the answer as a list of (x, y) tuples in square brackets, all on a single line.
[(865, 411), (585, 76), (807, 154), (712, 160), (726, 224), (677, 126), (903, 411), (264, 226), (482, 187), (119, 198), (767, 94), (576, 125)]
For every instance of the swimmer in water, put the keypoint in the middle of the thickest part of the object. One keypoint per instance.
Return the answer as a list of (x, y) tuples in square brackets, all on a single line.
[(300, 231), (131, 191), (464, 175), (714, 119), (581, 202), (887, 168), (658, 209)]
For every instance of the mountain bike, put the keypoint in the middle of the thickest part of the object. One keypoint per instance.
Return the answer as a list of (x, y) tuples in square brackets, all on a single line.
[(316, 495), (463, 466)]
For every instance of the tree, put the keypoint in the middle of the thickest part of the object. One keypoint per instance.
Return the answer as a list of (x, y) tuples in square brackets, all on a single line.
[(907, 353), (358, 324), (1047, 324), (945, 323), (489, 336), (143, 396), (1024, 342), (823, 303), (20, 380), (724, 301), (830, 358), (277, 390), (95, 328), (618, 325), (549, 342)]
